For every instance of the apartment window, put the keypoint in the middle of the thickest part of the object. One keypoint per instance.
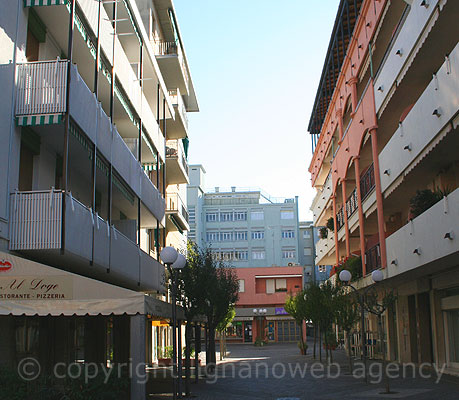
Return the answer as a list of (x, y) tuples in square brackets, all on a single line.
[(226, 216), (212, 237), (226, 236), (191, 215), (288, 254), (322, 268), (226, 255), (287, 214), (307, 251), (240, 235), (240, 216), (307, 234), (211, 217), (288, 234), (281, 285), (258, 255), (257, 215), (241, 286), (270, 286), (241, 255), (258, 235)]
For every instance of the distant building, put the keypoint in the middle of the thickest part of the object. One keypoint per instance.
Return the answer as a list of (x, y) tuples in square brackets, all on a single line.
[(259, 236)]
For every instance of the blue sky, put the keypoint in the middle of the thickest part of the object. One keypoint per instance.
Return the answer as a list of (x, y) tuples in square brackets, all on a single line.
[(256, 66)]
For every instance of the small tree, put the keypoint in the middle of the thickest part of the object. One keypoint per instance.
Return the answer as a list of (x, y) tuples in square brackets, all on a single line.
[(221, 328), (313, 310), (295, 305)]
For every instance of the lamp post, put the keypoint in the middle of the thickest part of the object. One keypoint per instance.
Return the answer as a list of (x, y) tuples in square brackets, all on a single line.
[(259, 313), (345, 277), (173, 261)]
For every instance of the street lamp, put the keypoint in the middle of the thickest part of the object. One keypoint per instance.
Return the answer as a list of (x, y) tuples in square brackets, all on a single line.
[(345, 276), (173, 261)]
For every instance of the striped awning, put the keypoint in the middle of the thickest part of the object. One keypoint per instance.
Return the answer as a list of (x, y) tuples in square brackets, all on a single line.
[(34, 120), (32, 3)]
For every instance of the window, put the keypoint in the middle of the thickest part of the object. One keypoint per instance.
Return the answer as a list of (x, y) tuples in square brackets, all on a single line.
[(241, 286), (241, 255), (287, 214), (281, 285), (322, 268), (226, 236), (270, 286), (211, 217), (257, 215), (191, 214), (288, 254), (258, 235), (258, 255), (226, 255), (226, 216), (306, 234), (240, 216), (288, 234), (307, 251), (240, 235), (212, 237)]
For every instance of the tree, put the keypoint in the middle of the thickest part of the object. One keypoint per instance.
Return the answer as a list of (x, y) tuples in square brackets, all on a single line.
[(221, 328), (347, 315), (295, 305)]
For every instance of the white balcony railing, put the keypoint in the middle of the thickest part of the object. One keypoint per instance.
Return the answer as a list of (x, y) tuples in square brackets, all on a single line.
[(176, 204), (41, 88), (322, 198), (163, 48)]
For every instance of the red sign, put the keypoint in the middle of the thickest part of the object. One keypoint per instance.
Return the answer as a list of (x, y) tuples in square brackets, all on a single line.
[(5, 266)]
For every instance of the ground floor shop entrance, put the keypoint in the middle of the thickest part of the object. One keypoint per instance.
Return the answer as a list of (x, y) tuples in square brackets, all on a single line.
[(288, 331)]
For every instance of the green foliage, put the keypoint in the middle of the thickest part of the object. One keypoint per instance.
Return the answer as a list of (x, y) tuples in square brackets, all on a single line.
[(377, 307), (323, 232), (191, 352), (259, 342), (354, 265), (320, 305), (347, 311), (331, 224), (166, 352), (227, 320), (424, 199)]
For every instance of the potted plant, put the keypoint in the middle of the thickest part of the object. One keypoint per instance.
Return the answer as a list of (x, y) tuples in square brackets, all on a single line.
[(331, 224), (424, 199), (323, 232), (303, 347), (165, 358), (192, 358)]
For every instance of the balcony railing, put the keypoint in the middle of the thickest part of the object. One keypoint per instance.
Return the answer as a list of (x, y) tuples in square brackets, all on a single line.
[(41, 87), (172, 48), (367, 182), (352, 203), (175, 203), (340, 219), (174, 149), (177, 100), (373, 258)]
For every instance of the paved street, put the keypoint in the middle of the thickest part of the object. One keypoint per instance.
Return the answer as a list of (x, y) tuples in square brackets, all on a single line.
[(283, 374)]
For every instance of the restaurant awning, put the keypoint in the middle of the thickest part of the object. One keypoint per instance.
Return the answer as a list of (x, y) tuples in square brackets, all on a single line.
[(30, 288)]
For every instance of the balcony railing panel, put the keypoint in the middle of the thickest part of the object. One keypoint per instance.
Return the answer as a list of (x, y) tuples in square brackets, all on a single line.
[(367, 182), (352, 204), (178, 101), (41, 88), (36, 220), (340, 219), (174, 149), (175, 203), (373, 258)]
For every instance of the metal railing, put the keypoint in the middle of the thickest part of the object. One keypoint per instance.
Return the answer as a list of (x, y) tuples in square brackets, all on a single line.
[(174, 203), (178, 101), (351, 203), (340, 219), (367, 182), (373, 258), (36, 220), (41, 87), (172, 48), (174, 149)]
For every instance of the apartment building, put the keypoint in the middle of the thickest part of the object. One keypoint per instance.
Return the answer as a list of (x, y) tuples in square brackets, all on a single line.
[(259, 237), (385, 165), (94, 137)]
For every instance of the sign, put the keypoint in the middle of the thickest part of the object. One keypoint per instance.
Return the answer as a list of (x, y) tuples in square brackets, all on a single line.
[(5, 265), (36, 288), (280, 311)]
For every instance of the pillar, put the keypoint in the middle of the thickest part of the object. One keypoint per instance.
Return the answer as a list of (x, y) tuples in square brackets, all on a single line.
[(138, 356), (346, 222), (335, 230), (379, 198), (339, 116), (360, 210), (353, 84)]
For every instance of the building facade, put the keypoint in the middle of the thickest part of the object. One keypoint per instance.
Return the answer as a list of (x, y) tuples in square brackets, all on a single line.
[(94, 137), (385, 166), (259, 237)]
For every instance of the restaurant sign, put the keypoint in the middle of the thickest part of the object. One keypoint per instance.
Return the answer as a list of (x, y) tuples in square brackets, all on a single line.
[(36, 288), (280, 311)]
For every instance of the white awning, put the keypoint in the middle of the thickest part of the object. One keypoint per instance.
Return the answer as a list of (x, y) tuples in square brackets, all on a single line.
[(30, 288)]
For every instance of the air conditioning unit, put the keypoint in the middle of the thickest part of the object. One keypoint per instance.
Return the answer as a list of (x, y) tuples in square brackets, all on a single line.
[(292, 264)]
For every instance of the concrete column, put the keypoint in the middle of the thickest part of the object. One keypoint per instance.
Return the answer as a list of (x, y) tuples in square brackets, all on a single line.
[(339, 116), (138, 356), (379, 197), (346, 222), (353, 83), (360, 211), (335, 230)]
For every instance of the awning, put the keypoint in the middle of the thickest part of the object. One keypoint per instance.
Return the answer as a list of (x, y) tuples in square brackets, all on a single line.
[(30, 288), (43, 119), (31, 3)]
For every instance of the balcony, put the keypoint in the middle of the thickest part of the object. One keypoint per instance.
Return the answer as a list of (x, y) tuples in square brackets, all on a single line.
[(367, 182), (172, 64), (426, 124), (176, 163), (177, 128), (429, 240), (177, 212), (41, 101), (373, 259), (55, 228), (325, 250), (403, 50), (321, 201)]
